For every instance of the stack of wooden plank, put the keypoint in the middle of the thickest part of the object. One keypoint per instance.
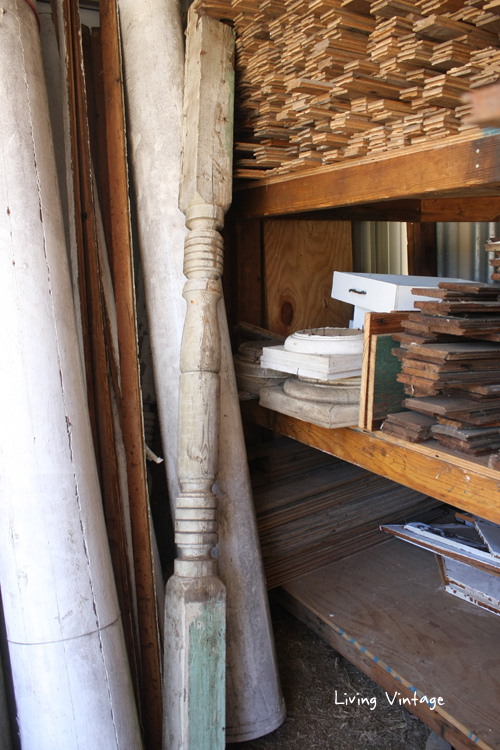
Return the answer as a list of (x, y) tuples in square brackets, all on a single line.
[(493, 246), (409, 425), (302, 62), (309, 518), (451, 377), (471, 310), (474, 441), (428, 370)]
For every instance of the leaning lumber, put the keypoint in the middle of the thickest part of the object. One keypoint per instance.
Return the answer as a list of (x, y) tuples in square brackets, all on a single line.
[(122, 268)]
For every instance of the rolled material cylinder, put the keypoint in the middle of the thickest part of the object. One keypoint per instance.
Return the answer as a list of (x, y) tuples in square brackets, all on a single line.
[(67, 652), (254, 703), (154, 71)]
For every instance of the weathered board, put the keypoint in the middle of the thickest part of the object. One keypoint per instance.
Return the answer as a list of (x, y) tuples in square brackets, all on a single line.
[(379, 325)]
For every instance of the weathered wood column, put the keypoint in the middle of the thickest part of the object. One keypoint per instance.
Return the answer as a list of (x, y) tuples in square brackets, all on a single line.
[(195, 610)]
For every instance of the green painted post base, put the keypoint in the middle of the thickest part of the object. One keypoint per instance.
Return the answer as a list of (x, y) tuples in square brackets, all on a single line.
[(195, 664)]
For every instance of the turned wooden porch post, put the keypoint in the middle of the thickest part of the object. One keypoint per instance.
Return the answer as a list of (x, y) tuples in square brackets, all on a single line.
[(195, 611)]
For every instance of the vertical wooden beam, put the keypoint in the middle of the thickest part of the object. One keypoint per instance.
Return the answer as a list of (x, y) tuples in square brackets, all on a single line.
[(131, 401), (195, 606), (422, 248), (248, 252)]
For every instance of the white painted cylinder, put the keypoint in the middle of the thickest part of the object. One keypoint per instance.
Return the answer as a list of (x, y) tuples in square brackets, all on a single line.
[(153, 61), (69, 665), (254, 703), (325, 341)]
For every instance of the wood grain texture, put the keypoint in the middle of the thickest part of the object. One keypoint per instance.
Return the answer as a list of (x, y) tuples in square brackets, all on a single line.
[(118, 211), (248, 250), (389, 601), (422, 248), (96, 329), (300, 258), (443, 474), (436, 172), (472, 208), (376, 324), (461, 209), (377, 673)]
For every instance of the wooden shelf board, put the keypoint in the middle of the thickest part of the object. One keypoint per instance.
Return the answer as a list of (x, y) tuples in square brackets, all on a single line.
[(471, 208), (386, 611), (468, 167), (446, 475)]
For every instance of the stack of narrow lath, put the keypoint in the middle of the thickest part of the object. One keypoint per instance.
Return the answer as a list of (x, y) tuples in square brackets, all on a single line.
[(325, 81), (313, 509), (450, 376)]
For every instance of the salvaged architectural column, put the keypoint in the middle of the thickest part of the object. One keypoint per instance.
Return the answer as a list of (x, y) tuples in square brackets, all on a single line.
[(195, 612), (153, 57), (70, 671)]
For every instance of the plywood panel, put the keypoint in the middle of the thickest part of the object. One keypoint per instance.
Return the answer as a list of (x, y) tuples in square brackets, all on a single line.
[(300, 258), (389, 601), (375, 671)]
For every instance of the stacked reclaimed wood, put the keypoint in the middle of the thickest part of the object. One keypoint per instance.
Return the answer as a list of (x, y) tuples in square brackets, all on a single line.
[(323, 81), (409, 425), (450, 366), (493, 246), (313, 509)]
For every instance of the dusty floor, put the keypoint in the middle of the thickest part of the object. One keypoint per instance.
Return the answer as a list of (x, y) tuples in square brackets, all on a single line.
[(310, 672)]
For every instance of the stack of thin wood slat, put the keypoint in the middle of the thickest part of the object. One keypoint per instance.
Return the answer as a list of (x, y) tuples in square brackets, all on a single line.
[(322, 81), (450, 359), (313, 509)]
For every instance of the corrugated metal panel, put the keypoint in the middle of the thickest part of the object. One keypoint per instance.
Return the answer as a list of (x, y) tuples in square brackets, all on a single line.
[(381, 247), (461, 249)]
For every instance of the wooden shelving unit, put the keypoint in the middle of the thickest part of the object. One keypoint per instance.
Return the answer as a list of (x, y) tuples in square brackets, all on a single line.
[(446, 475), (369, 606), (425, 176)]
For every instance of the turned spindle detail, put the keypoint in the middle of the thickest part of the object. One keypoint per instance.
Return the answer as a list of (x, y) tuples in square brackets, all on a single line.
[(196, 513), (195, 610)]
